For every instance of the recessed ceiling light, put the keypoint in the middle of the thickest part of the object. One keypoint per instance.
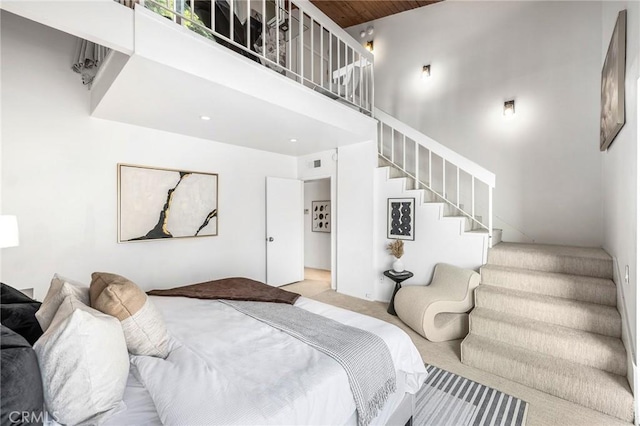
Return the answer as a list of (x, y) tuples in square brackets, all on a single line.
[(205, 117), (293, 140)]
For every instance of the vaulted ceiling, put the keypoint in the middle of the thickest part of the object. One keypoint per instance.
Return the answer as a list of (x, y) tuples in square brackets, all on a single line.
[(353, 12)]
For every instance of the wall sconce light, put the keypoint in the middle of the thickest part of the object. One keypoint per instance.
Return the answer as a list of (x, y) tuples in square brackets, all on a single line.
[(509, 108), (369, 46), (426, 71)]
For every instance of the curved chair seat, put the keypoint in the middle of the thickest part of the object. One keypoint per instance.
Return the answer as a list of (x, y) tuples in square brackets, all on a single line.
[(439, 311)]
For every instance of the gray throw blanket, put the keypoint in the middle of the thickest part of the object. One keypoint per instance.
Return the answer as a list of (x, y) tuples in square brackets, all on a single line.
[(363, 355)]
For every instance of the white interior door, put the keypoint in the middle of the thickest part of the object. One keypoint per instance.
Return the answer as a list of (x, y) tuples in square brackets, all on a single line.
[(285, 232)]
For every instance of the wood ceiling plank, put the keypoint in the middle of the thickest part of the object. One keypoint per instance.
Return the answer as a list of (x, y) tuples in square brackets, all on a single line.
[(347, 13)]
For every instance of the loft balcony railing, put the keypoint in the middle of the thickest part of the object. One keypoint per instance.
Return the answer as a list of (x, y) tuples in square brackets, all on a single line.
[(291, 37)]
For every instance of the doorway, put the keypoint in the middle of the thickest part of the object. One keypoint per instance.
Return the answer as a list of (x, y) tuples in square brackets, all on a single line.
[(318, 230)]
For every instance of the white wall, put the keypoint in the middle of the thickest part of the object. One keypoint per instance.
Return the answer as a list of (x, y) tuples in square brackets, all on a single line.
[(317, 245), (355, 200), (93, 20), (620, 169), (59, 178), (351, 169), (546, 56)]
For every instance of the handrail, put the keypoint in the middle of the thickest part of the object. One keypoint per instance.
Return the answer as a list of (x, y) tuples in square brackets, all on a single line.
[(437, 148), (299, 42), (420, 162)]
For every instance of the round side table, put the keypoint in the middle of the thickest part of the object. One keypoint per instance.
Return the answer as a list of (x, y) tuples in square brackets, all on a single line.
[(398, 278)]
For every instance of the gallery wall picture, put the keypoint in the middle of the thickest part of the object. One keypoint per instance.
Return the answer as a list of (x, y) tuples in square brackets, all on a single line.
[(612, 114), (401, 218), (156, 203), (321, 216)]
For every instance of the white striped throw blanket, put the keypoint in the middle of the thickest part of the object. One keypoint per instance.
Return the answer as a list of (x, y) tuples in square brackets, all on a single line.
[(364, 356)]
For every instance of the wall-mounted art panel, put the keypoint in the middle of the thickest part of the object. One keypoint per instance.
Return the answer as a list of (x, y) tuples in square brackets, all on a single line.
[(401, 218), (321, 216), (158, 203), (612, 114)]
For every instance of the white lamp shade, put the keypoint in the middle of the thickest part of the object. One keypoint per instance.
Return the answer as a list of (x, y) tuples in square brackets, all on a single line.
[(8, 231)]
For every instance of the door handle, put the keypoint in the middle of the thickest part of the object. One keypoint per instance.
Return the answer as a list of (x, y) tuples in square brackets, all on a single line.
[(270, 239)]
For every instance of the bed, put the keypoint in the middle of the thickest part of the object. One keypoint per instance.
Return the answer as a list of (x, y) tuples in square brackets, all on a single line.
[(225, 367), (264, 368)]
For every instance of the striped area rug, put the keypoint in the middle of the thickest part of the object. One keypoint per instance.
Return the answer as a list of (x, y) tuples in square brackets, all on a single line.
[(449, 399)]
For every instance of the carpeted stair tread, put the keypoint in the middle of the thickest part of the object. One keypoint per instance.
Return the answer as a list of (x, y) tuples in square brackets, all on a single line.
[(590, 349), (578, 287), (602, 391), (592, 262), (590, 317)]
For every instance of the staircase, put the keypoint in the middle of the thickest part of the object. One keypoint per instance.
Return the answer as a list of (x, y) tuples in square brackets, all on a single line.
[(546, 317), (463, 187), (407, 186)]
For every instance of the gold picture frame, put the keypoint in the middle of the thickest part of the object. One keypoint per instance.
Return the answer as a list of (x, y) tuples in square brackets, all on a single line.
[(158, 203), (612, 111)]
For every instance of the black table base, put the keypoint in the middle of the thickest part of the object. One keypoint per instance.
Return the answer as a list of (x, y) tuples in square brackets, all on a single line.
[(398, 278)]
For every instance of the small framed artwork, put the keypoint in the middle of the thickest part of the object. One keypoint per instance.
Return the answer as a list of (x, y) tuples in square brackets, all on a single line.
[(612, 114), (156, 203), (321, 216), (401, 218)]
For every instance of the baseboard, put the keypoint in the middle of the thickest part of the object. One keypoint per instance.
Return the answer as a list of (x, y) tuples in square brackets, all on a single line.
[(636, 407), (627, 338)]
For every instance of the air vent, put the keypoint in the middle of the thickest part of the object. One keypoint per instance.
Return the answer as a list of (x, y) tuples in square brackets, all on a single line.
[(314, 164)]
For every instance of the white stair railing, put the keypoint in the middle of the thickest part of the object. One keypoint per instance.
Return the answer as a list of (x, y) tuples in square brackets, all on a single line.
[(452, 178), (292, 37)]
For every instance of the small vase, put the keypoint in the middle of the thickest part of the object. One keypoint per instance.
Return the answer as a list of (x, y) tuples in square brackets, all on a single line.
[(398, 266)]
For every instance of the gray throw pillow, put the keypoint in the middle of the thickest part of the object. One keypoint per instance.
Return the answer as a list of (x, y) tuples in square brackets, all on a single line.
[(21, 395)]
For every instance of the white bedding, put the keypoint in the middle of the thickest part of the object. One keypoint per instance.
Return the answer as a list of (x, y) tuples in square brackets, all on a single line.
[(226, 367)]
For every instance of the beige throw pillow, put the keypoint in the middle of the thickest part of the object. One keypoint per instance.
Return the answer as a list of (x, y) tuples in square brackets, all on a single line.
[(84, 364), (60, 288), (143, 326)]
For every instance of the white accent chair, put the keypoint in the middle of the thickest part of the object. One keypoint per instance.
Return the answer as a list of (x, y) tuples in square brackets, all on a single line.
[(439, 311)]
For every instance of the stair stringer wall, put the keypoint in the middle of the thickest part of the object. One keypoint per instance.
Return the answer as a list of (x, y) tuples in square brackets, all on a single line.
[(438, 239), (627, 340)]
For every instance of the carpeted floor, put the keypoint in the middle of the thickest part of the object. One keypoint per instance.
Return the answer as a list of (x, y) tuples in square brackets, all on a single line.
[(315, 282), (544, 409)]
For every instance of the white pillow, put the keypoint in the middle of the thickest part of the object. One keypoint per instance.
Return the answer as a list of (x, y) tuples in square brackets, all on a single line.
[(60, 288), (84, 364)]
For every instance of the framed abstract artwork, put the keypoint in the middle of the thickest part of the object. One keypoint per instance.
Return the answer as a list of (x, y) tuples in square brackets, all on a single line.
[(612, 114), (401, 218), (321, 216), (156, 203)]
